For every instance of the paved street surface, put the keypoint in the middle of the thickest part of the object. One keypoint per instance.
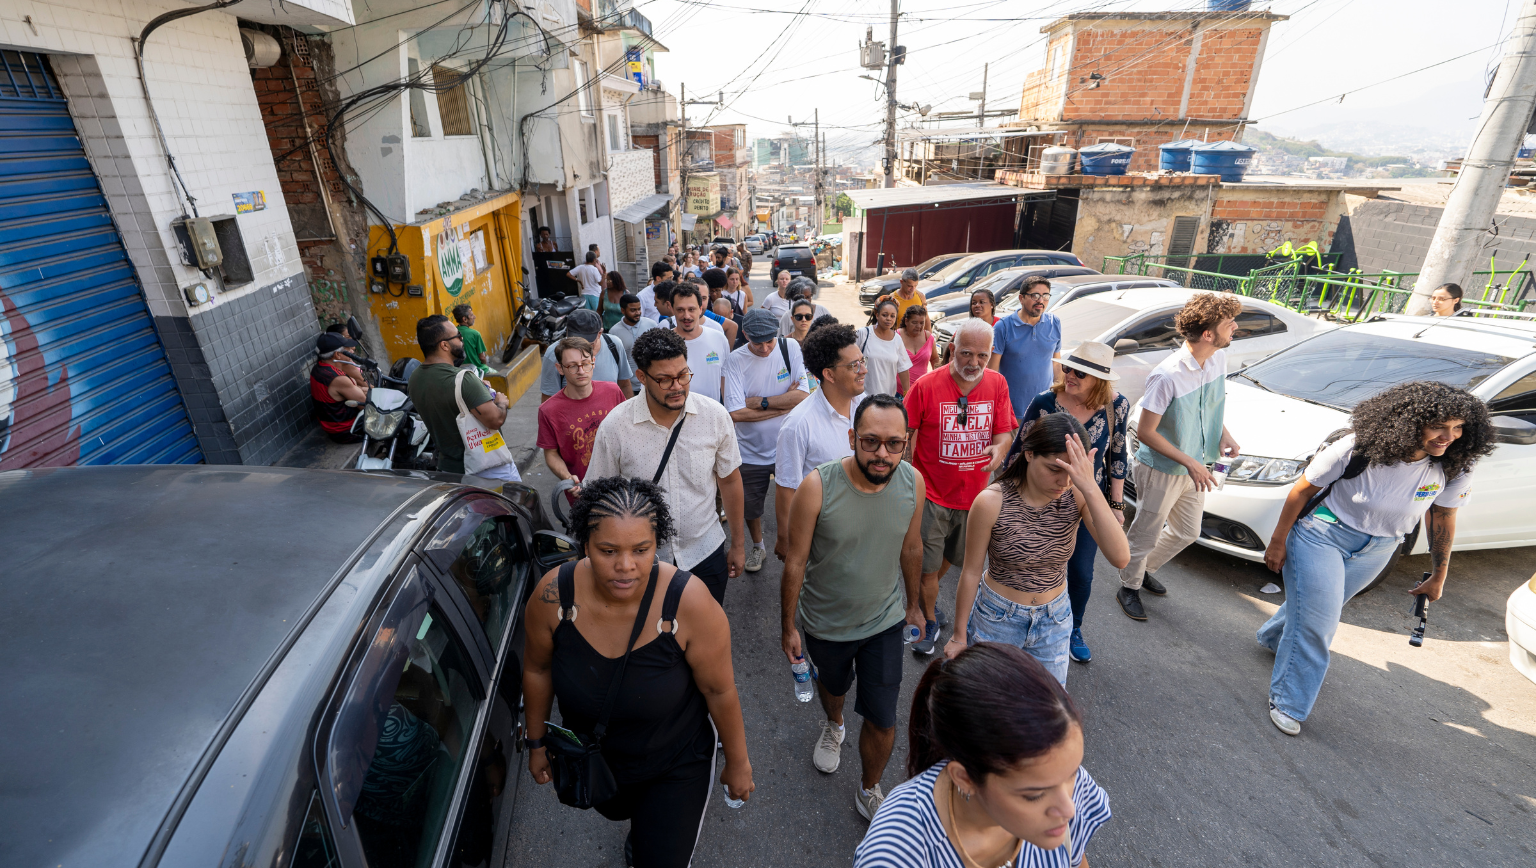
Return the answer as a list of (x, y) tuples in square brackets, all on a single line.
[(1412, 757)]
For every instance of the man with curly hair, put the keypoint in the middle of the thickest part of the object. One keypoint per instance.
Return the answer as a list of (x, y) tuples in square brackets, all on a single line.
[(1408, 458), (1181, 431)]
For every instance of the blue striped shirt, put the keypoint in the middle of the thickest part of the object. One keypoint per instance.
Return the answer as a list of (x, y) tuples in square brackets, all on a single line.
[(906, 832)]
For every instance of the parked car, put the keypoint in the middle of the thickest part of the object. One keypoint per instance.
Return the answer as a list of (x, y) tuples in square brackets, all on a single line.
[(797, 259), (890, 281), (961, 274), (262, 665), (1283, 409), (724, 239), (1071, 286), (754, 245), (1520, 626), (1004, 286)]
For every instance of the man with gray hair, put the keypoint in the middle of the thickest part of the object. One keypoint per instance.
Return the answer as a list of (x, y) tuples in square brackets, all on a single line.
[(960, 424), (764, 380), (800, 287)]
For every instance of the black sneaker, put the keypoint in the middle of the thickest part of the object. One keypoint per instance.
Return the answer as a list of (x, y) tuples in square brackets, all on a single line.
[(1130, 601), (1152, 586)]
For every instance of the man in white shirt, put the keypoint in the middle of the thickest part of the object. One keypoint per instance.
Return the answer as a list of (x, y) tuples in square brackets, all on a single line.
[(589, 278), (816, 431), (705, 460), (661, 272), (664, 293), (764, 380), (632, 326), (707, 349)]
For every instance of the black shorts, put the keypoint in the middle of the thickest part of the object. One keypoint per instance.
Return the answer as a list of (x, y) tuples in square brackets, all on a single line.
[(877, 661), (754, 486)]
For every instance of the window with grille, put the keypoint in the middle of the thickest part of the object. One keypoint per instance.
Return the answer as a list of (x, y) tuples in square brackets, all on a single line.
[(453, 101)]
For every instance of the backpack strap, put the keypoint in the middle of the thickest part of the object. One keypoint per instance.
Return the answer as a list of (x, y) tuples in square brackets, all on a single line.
[(784, 351), (565, 583), (670, 602), (608, 339), (1355, 467)]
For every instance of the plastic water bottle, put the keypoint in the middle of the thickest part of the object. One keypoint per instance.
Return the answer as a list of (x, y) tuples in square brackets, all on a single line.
[(802, 671), (730, 802), (911, 633)]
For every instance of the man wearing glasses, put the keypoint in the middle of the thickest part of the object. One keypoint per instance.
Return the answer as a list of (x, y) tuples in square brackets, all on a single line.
[(431, 390), (851, 582), (962, 422), (1025, 345), (705, 460), (610, 363), (568, 421)]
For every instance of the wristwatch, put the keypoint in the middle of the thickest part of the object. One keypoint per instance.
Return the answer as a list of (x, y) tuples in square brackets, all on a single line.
[(533, 743), (764, 404)]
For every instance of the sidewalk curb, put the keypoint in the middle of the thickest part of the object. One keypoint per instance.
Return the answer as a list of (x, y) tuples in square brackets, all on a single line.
[(516, 377)]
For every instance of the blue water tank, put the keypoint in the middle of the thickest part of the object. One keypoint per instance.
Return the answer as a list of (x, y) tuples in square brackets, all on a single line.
[(1227, 5), (1174, 156), (1230, 160), (1106, 159)]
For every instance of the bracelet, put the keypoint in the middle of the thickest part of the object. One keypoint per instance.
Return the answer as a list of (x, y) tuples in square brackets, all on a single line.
[(533, 743), (1117, 504)]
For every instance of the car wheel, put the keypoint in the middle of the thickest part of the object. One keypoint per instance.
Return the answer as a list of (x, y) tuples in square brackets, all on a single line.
[(1386, 568)]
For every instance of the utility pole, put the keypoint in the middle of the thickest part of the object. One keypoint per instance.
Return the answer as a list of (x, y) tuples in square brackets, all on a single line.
[(682, 164), (816, 141), (890, 99), (981, 113), (1506, 116)]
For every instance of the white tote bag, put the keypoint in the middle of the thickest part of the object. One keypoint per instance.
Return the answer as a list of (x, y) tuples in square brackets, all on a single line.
[(483, 447)]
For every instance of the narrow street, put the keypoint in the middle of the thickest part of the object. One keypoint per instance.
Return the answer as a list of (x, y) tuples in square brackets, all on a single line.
[(1413, 756)]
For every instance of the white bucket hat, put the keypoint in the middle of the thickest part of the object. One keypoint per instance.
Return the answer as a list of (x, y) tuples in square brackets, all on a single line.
[(1091, 357)]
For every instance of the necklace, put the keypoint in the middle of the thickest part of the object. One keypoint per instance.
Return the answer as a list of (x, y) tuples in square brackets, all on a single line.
[(960, 844)]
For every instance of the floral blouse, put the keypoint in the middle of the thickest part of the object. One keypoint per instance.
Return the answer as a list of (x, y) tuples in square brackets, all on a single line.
[(1103, 434)]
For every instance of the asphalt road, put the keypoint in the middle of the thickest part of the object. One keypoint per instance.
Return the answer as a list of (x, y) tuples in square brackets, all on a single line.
[(1412, 756)]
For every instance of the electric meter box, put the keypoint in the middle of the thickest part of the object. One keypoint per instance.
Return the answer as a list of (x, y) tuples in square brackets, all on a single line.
[(199, 242)]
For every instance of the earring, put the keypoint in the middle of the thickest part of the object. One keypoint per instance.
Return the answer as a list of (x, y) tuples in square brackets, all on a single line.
[(965, 795)]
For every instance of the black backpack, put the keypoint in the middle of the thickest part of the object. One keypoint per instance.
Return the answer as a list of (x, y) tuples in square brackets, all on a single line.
[(1355, 467)]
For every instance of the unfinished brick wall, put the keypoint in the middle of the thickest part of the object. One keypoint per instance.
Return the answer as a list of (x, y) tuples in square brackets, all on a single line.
[(1143, 69), (1224, 71), (1146, 138), (1245, 222)]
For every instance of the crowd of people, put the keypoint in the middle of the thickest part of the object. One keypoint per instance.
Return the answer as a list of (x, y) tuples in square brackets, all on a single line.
[(1007, 459)]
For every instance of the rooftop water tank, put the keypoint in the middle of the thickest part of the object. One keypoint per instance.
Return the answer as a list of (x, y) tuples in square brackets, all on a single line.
[(1230, 160), (1227, 5), (1174, 156), (1058, 161), (1106, 159)]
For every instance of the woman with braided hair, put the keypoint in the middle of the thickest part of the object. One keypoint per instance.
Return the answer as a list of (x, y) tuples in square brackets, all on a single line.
[(1408, 457), (659, 742)]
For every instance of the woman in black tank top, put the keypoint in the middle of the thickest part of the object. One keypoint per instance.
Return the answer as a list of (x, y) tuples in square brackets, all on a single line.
[(660, 743)]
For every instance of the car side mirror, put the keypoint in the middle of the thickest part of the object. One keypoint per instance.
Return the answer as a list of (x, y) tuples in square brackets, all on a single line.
[(1509, 429), (1126, 345), (551, 549)]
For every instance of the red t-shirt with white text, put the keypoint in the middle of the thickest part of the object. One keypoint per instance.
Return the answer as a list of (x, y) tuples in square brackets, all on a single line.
[(570, 426), (953, 457)]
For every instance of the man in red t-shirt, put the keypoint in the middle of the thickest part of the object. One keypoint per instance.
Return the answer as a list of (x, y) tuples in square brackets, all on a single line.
[(568, 420), (961, 424)]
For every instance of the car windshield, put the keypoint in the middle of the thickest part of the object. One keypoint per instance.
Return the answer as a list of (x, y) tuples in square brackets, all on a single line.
[(956, 267), (934, 263), (1343, 367), (1084, 319)]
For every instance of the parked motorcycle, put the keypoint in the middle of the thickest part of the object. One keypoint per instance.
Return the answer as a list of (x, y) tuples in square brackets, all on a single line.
[(541, 322), (394, 437)]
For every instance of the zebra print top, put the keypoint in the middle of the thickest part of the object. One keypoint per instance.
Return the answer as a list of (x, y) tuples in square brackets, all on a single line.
[(1030, 547)]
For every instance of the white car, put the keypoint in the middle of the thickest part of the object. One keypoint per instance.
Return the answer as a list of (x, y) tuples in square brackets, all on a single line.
[(1283, 409), (754, 244), (1520, 625)]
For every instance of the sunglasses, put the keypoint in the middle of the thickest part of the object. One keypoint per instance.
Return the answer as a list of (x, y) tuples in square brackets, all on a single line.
[(804, 317), (895, 445), (1074, 373), (964, 403)]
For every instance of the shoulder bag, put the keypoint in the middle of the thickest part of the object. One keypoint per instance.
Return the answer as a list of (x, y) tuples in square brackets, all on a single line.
[(483, 447)]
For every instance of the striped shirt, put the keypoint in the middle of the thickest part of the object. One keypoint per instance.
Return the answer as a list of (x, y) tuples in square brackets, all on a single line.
[(906, 832)]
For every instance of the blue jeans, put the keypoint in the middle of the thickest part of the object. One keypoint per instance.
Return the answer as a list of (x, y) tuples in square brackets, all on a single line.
[(1080, 573), (1325, 565), (1043, 631)]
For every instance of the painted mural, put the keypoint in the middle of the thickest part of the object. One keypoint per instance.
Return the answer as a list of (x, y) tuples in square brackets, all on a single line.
[(36, 425)]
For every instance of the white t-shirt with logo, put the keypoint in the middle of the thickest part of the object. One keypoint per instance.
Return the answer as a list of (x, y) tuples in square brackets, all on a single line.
[(590, 278), (706, 359), (886, 359), (1385, 500), (746, 373)]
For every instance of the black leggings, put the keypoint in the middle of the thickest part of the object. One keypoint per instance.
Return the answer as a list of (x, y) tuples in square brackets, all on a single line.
[(665, 813)]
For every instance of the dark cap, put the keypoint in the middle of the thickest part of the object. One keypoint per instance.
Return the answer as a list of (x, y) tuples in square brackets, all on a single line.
[(330, 342), (584, 323), (760, 326)]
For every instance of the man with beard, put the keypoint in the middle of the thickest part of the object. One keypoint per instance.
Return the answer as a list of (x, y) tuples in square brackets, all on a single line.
[(1025, 345), (431, 390), (1181, 431), (962, 423), (851, 582)]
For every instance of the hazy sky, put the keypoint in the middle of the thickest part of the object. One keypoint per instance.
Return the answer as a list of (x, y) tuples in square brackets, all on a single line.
[(774, 63)]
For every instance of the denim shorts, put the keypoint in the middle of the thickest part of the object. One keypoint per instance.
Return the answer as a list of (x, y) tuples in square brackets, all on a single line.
[(1043, 630)]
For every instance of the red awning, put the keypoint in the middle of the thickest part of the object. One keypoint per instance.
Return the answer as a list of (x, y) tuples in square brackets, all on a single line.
[(724, 221)]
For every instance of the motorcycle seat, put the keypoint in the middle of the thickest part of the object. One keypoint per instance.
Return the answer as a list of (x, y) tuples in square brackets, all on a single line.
[(566, 305)]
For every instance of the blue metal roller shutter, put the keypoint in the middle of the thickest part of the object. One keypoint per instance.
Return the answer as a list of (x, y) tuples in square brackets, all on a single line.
[(83, 377)]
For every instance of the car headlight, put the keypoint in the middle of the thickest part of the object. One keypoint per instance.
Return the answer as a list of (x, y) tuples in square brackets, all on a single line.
[(1255, 470), (382, 425)]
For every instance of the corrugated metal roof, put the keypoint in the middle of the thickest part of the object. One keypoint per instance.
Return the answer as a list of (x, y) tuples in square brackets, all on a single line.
[(897, 196), (638, 211)]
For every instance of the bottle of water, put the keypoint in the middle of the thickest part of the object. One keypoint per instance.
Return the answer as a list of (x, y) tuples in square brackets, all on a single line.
[(802, 671), (730, 802)]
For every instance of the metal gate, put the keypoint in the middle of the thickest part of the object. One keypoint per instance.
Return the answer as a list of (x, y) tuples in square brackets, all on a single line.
[(83, 378)]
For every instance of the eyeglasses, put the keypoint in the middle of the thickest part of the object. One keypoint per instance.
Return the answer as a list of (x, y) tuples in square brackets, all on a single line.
[(668, 382), (1074, 373), (578, 366), (804, 317), (1036, 296), (964, 403), (895, 446), (856, 365)]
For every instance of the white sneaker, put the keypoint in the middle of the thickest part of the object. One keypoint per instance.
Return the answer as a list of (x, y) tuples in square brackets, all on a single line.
[(829, 748), (868, 801), (1284, 722), (755, 556)]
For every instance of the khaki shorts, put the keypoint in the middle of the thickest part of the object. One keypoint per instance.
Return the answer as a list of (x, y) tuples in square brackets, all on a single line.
[(943, 536)]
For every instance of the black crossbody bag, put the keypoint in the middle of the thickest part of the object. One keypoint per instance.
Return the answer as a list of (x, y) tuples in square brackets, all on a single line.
[(581, 775)]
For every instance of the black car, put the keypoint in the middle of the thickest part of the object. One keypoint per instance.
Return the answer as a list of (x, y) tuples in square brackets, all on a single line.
[(889, 282), (1003, 286), (797, 259), (261, 666)]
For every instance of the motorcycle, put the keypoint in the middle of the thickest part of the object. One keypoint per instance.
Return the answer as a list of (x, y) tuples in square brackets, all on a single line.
[(541, 322), (394, 437)]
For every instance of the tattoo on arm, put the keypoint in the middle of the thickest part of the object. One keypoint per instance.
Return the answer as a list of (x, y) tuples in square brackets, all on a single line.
[(551, 592), (1441, 534)]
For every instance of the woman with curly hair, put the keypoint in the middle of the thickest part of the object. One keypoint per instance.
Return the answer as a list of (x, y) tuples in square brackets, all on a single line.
[(618, 613), (1411, 452)]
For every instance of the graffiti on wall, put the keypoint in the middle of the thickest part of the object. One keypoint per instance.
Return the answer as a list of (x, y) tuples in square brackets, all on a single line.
[(35, 415)]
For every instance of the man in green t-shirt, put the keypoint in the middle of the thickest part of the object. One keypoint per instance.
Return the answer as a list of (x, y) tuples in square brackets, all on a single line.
[(474, 344), (431, 390)]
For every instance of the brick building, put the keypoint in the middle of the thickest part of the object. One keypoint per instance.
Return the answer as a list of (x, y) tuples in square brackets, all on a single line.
[(1144, 79)]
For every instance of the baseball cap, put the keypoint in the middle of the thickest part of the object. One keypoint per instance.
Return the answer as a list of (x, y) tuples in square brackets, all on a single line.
[(330, 342), (760, 326), (909, 274), (584, 324)]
